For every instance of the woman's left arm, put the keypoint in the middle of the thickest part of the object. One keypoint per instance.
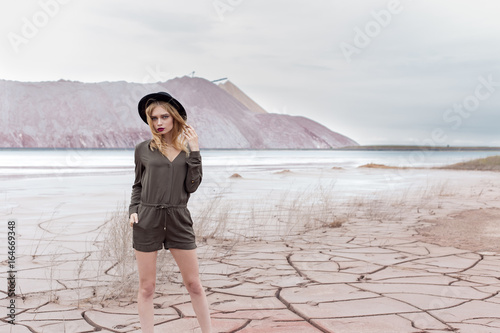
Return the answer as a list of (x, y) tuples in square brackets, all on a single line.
[(195, 171)]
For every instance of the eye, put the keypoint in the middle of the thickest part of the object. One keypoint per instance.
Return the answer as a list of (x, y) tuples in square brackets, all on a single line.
[(153, 118), (165, 117)]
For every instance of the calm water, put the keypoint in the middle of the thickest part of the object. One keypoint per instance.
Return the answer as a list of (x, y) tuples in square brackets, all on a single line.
[(26, 162)]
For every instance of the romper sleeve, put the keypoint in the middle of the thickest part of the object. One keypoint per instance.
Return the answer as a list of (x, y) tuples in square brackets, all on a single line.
[(137, 186), (194, 171)]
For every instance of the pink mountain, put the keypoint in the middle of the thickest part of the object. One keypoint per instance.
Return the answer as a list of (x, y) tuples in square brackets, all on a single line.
[(67, 114)]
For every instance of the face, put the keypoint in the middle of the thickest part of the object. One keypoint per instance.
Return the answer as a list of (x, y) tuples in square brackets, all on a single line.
[(162, 120)]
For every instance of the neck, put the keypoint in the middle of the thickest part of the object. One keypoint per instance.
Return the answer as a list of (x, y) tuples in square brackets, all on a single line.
[(167, 138)]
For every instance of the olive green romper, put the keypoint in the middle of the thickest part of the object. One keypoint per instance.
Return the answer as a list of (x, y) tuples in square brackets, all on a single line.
[(160, 194)]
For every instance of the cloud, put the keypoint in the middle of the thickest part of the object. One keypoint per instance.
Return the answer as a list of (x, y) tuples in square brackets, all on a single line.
[(284, 54)]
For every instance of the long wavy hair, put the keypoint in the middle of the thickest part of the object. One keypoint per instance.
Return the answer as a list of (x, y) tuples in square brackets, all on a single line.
[(178, 140)]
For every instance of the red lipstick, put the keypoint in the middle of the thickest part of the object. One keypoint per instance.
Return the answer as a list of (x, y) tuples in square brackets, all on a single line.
[(160, 129)]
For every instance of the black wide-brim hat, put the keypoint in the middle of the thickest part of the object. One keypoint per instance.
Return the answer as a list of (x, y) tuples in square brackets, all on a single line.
[(163, 97)]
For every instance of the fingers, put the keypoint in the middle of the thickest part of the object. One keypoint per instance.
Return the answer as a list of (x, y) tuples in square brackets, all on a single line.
[(189, 132), (191, 137), (133, 219)]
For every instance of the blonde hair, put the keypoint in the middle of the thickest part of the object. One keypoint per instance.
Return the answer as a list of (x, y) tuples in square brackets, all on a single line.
[(178, 141)]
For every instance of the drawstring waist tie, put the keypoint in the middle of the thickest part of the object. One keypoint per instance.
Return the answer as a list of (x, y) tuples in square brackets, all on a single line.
[(168, 207)]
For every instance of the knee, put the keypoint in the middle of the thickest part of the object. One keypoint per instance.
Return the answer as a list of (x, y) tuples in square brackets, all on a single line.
[(147, 288), (194, 286)]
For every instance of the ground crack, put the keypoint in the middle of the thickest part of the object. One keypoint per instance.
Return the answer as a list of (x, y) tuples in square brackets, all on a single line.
[(301, 274), (290, 308)]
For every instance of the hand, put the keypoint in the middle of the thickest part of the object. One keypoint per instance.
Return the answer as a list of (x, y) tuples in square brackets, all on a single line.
[(192, 138), (134, 218)]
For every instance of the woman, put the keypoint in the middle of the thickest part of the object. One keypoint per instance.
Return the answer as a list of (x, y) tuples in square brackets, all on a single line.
[(167, 169)]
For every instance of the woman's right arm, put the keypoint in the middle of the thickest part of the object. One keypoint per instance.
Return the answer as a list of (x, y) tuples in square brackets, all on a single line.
[(137, 186)]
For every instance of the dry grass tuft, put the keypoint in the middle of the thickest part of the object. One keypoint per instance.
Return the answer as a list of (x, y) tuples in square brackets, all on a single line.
[(379, 166), (236, 175), (116, 257), (491, 163), (283, 171), (116, 260), (336, 223), (269, 215)]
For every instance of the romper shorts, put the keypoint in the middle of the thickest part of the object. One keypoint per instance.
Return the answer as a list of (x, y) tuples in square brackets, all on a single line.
[(163, 226)]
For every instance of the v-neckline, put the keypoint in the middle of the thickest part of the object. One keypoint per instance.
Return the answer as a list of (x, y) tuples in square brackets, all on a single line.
[(172, 161)]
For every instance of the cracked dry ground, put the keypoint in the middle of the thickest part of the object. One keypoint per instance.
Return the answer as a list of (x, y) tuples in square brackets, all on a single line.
[(362, 277)]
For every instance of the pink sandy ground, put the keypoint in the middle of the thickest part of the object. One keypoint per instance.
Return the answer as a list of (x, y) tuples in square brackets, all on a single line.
[(425, 262)]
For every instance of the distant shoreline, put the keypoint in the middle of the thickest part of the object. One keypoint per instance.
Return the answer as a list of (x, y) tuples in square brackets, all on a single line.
[(409, 148), (352, 148)]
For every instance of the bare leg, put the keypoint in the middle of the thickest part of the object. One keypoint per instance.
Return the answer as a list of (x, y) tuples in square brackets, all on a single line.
[(188, 265), (146, 264)]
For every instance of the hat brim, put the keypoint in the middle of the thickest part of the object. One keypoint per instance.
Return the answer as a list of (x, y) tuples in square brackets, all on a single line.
[(163, 97)]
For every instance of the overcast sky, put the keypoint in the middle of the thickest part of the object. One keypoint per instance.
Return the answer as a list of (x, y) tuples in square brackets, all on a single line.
[(380, 72)]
